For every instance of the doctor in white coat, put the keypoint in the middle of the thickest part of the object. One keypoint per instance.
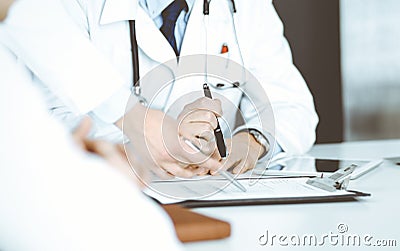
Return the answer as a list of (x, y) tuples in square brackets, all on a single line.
[(254, 35)]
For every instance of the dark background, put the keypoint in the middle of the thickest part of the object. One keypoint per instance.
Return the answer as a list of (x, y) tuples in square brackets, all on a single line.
[(312, 28)]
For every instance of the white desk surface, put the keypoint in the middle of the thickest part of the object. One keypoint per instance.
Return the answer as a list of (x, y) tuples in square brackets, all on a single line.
[(377, 216)]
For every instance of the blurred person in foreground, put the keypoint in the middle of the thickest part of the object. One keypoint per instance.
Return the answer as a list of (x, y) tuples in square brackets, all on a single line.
[(63, 192)]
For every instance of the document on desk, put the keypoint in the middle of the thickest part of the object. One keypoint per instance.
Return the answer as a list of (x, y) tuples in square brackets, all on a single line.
[(218, 192)]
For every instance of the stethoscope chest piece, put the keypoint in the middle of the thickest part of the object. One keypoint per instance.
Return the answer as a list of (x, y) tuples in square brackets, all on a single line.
[(136, 90)]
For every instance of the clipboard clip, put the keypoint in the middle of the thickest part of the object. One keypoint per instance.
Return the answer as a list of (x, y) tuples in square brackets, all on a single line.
[(339, 180)]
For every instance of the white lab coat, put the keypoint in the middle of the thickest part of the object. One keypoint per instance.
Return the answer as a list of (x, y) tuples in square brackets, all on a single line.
[(264, 50), (54, 197)]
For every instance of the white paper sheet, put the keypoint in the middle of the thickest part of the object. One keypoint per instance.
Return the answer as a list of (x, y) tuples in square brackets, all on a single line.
[(218, 189)]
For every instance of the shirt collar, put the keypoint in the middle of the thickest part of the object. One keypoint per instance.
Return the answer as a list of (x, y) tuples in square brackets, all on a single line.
[(155, 7), (118, 10)]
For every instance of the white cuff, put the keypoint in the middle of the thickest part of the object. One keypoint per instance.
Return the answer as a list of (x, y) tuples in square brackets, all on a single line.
[(274, 147)]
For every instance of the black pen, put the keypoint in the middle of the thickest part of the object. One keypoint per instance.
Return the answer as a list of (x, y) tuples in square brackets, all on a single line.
[(219, 137)]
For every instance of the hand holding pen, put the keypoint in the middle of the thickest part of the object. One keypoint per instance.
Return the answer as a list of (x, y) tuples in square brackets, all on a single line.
[(197, 122), (219, 137), (199, 126)]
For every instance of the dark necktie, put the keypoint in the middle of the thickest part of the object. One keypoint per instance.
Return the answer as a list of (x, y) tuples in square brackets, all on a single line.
[(169, 16)]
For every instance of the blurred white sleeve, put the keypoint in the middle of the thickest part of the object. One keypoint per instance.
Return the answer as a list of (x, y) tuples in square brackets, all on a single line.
[(53, 196), (45, 38)]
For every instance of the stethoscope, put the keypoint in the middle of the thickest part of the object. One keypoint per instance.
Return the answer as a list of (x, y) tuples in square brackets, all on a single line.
[(136, 88)]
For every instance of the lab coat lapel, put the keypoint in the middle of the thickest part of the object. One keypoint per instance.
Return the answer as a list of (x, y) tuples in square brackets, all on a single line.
[(118, 10), (194, 39), (151, 40)]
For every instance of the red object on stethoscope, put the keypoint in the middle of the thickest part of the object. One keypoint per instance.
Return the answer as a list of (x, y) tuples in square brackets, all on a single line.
[(224, 48)]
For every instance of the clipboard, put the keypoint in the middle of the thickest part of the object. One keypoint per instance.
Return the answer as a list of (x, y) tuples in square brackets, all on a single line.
[(272, 201), (277, 191)]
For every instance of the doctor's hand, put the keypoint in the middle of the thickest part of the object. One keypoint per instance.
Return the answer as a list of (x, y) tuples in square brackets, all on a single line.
[(244, 152), (197, 122), (158, 144)]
